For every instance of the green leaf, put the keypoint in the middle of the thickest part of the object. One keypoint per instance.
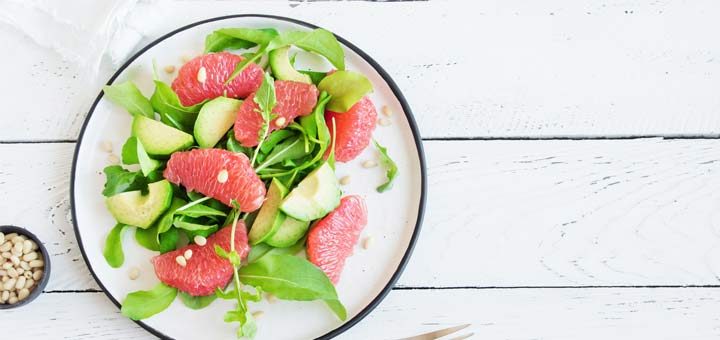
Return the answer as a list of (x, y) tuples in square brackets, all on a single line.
[(319, 41), (179, 223), (169, 240), (119, 180), (204, 233), (391, 169), (337, 307), (315, 77), (113, 251), (275, 138), (143, 304), (231, 256), (147, 164), (288, 277), (129, 151), (234, 146), (166, 102), (251, 35), (346, 89), (289, 149), (245, 62), (200, 210), (229, 295), (196, 302), (216, 42), (129, 97), (265, 98)]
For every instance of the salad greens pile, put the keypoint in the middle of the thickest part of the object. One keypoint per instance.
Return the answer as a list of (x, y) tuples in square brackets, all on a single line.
[(286, 155)]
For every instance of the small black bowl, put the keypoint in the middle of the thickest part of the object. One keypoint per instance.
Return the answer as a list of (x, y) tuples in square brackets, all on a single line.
[(8, 229)]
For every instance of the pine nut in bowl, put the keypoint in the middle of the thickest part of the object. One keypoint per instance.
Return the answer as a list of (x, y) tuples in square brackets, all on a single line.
[(24, 267)]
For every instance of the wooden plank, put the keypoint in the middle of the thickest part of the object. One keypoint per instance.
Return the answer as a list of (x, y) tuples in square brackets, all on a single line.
[(612, 313), (531, 69), (500, 213)]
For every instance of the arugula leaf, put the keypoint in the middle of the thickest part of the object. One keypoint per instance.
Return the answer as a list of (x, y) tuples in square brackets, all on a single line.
[(166, 102), (247, 328), (196, 302), (289, 149), (274, 138), (338, 308), (245, 62), (204, 233), (200, 210), (288, 277), (391, 169), (119, 180), (319, 41), (251, 35), (331, 156), (315, 77), (113, 251), (129, 97), (143, 304), (216, 42), (234, 146), (178, 222), (147, 164), (129, 151), (232, 256), (265, 98)]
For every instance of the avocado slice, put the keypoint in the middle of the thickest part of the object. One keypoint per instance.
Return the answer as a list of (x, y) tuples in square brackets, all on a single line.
[(288, 233), (282, 68), (269, 218), (159, 139), (135, 209), (315, 196), (216, 117), (345, 88)]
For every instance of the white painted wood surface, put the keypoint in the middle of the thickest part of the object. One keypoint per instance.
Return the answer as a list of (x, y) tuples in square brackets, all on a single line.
[(574, 214), (473, 69)]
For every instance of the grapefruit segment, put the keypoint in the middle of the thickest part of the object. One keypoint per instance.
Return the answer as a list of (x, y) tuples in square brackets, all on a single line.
[(205, 270), (220, 174), (204, 77), (354, 129), (293, 99), (330, 242)]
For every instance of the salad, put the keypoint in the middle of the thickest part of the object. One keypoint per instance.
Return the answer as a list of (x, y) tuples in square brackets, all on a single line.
[(229, 174)]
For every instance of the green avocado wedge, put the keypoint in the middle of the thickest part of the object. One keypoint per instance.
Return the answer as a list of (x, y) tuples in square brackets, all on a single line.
[(315, 196), (288, 233), (269, 218), (345, 88), (282, 68), (135, 209), (159, 139), (216, 117)]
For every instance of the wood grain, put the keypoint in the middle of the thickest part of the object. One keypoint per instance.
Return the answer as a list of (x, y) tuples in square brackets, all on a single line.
[(473, 69), (605, 313), (500, 213)]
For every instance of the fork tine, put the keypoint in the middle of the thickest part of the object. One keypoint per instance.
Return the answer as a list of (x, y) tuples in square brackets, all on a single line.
[(462, 337), (437, 334)]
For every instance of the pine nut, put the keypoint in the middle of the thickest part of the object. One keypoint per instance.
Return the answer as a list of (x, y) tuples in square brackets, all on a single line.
[(12, 273), (384, 122), (20, 271), (9, 284), (30, 257), (222, 176), (200, 240), (10, 236), (5, 246), (5, 296), (7, 255), (134, 273), (280, 122), (369, 164), (258, 314), (36, 263), (113, 159), (29, 283), (28, 274), (188, 254), (106, 146), (18, 239), (3, 272), (4, 279), (202, 75), (13, 300), (24, 265), (368, 242), (37, 275), (7, 265), (270, 298), (181, 261), (23, 293), (386, 111), (2, 238), (15, 260), (15, 251), (20, 284), (169, 69), (345, 180), (18, 246), (34, 245), (27, 246), (185, 58)]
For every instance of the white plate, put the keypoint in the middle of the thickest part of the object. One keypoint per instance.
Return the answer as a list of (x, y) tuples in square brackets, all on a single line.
[(394, 216)]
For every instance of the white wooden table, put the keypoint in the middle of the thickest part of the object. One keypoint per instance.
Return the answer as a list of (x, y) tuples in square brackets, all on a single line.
[(573, 151)]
